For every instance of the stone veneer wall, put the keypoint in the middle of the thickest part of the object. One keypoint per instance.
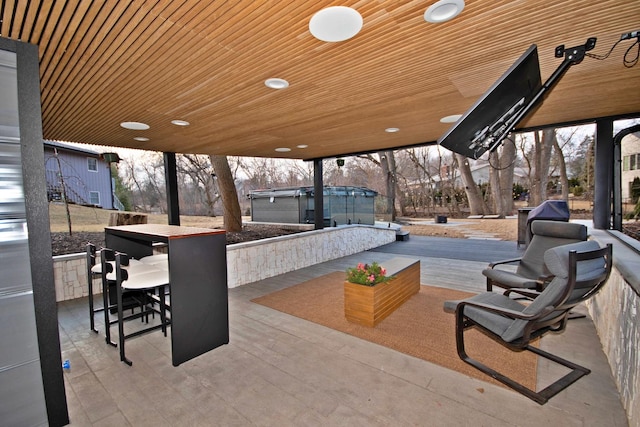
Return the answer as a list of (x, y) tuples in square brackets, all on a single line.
[(70, 277), (251, 261), (615, 312)]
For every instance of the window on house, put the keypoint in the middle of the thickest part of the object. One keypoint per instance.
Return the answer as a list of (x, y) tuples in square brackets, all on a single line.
[(633, 164), (94, 198), (92, 164), (625, 163)]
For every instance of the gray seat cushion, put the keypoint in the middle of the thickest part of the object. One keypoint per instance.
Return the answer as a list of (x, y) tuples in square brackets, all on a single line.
[(557, 260), (494, 322), (560, 230), (509, 279)]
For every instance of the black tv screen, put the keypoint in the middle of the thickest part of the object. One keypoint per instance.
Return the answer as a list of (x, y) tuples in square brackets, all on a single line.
[(491, 118)]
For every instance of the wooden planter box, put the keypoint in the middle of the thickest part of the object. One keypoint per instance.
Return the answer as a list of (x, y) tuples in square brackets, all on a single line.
[(369, 305)]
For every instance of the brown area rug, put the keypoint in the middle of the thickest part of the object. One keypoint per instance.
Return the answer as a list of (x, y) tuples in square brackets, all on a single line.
[(419, 328)]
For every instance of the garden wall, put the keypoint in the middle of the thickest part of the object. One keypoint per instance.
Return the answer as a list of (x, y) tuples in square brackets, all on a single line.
[(250, 261), (615, 313)]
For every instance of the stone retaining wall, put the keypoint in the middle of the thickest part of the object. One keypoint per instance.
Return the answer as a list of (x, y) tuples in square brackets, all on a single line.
[(615, 310), (251, 261), (615, 314)]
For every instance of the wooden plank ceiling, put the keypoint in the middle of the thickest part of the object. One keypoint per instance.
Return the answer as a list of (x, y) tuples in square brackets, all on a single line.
[(104, 62)]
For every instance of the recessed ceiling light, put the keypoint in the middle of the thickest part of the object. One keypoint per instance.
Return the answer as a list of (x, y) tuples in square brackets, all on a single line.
[(180, 122), (283, 149), (141, 138), (302, 146), (134, 125), (392, 130), (443, 10), (276, 83), (450, 119), (335, 24)]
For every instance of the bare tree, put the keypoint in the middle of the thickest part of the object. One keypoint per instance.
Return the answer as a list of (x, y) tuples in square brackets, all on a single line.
[(561, 160), (64, 190), (261, 172), (232, 214), (543, 146), (387, 162), (508, 157), (137, 175), (199, 170), (494, 184), (425, 171), (502, 163), (477, 205)]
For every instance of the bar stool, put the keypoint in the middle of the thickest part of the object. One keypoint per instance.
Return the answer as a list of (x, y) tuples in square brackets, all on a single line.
[(107, 273), (93, 272), (161, 260), (147, 278)]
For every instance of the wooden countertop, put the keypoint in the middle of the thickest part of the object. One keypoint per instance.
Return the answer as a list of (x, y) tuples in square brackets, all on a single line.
[(161, 230)]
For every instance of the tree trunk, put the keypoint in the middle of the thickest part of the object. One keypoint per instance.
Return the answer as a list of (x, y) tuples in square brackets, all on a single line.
[(507, 167), (477, 205), (494, 184), (232, 214), (564, 180), (536, 193), (542, 158), (388, 164), (502, 164), (64, 191)]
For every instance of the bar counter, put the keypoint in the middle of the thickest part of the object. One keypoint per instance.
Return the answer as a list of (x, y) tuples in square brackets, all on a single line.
[(198, 281)]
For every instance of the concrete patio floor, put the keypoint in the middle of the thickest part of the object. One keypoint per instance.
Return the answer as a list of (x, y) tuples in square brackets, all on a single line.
[(281, 370)]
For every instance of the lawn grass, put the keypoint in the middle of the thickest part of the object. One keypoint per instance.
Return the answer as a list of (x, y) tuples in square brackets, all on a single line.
[(84, 218)]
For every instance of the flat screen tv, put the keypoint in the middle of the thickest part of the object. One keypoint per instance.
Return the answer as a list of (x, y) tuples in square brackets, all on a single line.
[(484, 126)]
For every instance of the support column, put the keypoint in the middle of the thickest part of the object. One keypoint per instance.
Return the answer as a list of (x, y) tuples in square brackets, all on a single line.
[(171, 182), (603, 174), (29, 315), (318, 195)]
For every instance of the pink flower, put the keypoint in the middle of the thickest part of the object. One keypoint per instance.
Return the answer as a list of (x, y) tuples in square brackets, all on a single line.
[(383, 271), (372, 278), (361, 267)]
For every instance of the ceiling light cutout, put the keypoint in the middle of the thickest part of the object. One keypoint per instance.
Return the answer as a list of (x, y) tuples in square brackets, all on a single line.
[(450, 119), (392, 130), (443, 11), (135, 125), (335, 24), (180, 122), (275, 83)]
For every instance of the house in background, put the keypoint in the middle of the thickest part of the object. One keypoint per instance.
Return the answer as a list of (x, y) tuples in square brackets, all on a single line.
[(630, 151), (85, 175), (480, 171)]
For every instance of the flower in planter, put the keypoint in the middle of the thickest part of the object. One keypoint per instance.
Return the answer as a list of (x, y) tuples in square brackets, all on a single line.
[(367, 274)]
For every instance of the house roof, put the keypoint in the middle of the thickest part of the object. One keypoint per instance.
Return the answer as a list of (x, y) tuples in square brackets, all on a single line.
[(205, 62), (68, 147)]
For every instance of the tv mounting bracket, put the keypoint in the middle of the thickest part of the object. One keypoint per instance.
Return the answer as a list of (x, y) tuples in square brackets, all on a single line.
[(491, 136)]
